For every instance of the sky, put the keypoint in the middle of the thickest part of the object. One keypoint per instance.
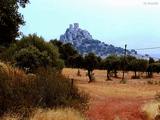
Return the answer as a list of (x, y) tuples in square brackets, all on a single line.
[(118, 22)]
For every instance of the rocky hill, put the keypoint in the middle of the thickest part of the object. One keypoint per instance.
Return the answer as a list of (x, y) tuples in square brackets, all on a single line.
[(82, 40)]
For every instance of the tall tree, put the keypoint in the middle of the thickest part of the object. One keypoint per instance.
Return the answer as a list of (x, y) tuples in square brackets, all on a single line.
[(10, 20)]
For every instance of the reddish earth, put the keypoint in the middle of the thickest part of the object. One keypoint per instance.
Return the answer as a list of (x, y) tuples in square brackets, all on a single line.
[(116, 109)]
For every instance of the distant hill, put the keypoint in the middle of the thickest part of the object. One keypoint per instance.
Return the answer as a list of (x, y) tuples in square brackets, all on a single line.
[(82, 41)]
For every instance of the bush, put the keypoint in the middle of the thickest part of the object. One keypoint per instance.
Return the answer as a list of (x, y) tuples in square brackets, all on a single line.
[(58, 90), (135, 77), (157, 96), (151, 110), (21, 93), (150, 82), (32, 52)]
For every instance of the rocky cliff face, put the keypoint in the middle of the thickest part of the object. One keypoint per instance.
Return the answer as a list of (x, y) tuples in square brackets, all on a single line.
[(82, 40)]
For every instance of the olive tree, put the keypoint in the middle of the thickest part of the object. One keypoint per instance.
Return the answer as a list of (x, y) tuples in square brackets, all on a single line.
[(90, 63)]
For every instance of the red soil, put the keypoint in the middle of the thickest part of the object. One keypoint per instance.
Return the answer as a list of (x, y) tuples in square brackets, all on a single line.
[(114, 108)]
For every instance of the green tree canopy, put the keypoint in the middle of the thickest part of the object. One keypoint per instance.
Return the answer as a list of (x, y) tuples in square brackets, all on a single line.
[(67, 52), (111, 63), (10, 20), (90, 63), (33, 52)]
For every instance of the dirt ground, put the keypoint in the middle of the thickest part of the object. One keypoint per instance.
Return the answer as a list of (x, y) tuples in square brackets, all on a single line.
[(111, 100)]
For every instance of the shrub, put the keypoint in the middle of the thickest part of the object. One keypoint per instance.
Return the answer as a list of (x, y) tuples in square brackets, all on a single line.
[(151, 110), (135, 77), (21, 93), (123, 81), (32, 52), (58, 91), (157, 96), (150, 82), (12, 85)]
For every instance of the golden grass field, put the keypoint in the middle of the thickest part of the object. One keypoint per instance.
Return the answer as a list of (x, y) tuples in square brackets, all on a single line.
[(112, 100), (58, 114)]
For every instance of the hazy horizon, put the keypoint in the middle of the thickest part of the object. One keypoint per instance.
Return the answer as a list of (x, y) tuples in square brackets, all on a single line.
[(131, 22)]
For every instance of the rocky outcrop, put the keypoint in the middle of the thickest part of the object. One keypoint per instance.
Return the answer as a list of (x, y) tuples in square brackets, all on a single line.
[(82, 40)]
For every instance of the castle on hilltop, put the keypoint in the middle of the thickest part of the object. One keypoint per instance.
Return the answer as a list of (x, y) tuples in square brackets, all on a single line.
[(83, 42)]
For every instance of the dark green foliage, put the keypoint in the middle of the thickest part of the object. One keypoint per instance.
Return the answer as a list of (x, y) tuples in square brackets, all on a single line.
[(10, 20), (151, 60), (90, 63), (156, 67), (67, 52), (137, 65), (153, 67), (149, 71), (111, 63), (114, 63), (76, 61), (31, 58), (32, 52)]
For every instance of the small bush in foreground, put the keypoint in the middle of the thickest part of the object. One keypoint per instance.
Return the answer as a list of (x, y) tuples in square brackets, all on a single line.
[(152, 110), (21, 93), (56, 90)]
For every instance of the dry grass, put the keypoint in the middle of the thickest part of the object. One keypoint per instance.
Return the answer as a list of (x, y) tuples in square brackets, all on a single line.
[(8, 117), (133, 88), (112, 100), (13, 74), (59, 114), (151, 109), (21, 93)]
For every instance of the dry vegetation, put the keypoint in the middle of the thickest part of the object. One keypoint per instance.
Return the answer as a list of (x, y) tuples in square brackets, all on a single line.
[(21, 93), (151, 109), (112, 100), (58, 114), (133, 87)]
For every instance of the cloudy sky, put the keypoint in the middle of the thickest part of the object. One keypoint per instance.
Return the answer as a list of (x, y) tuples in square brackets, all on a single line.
[(118, 22)]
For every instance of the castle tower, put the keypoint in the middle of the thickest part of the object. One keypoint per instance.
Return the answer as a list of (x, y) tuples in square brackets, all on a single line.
[(76, 25), (70, 26)]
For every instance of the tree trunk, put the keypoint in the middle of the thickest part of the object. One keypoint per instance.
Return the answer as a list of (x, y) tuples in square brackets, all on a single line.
[(115, 73), (78, 72), (108, 75), (135, 74), (90, 76)]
